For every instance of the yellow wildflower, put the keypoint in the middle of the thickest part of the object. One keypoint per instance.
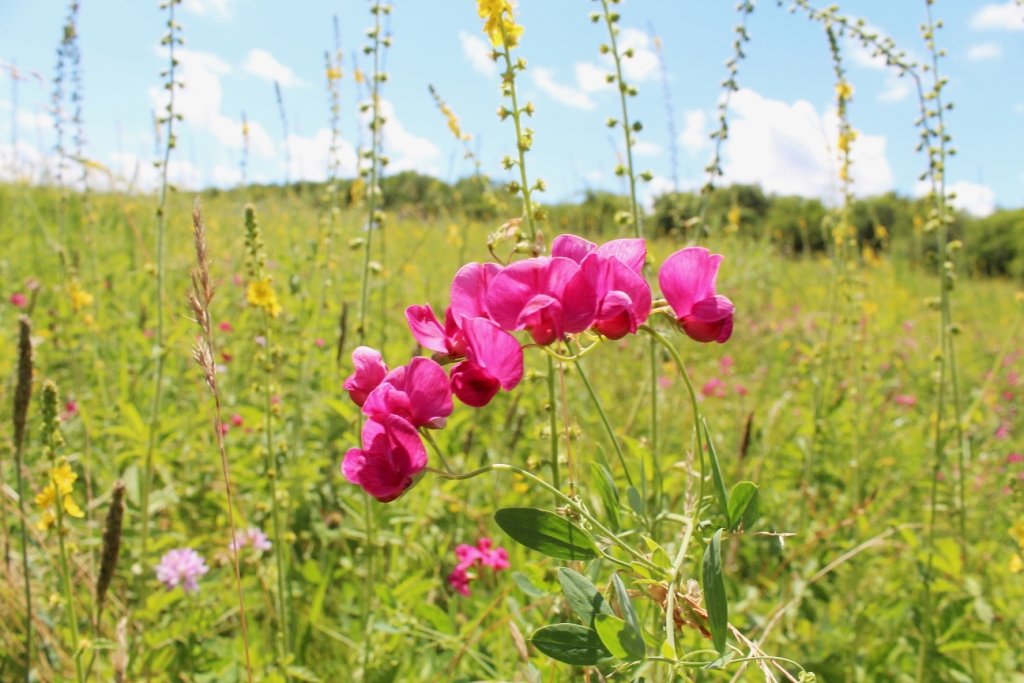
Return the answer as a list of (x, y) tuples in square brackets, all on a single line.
[(498, 18), (358, 75), (46, 496), (71, 507), (734, 218), (845, 139), (1016, 564), (261, 293), (844, 90), (65, 478), (453, 123), (334, 73), (1017, 531), (79, 297), (46, 521)]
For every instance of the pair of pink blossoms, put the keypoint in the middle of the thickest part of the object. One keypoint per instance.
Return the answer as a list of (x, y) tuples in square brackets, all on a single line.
[(580, 286), (468, 556)]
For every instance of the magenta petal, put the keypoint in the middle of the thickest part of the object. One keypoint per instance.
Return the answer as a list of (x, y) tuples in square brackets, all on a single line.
[(632, 252), (353, 464), (726, 332), (470, 288), (512, 289), (370, 371), (713, 309), (430, 396), (579, 304), (426, 328), (495, 350), (572, 247), (473, 385), (406, 441), (688, 276), (613, 304)]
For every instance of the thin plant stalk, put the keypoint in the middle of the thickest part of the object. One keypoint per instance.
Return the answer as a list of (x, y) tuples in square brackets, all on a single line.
[(553, 424), (604, 420), (22, 400), (522, 143), (376, 124)]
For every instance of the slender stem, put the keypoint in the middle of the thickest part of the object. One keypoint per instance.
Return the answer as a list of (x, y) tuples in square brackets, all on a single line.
[(433, 444), (655, 463), (510, 80), (553, 423), (371, 203), (65, 572), (604, 420), (584, 350), (18, 455)]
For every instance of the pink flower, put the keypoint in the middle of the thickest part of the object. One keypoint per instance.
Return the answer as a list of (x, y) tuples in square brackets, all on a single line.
[(236, 420), (741, 390), (1003, 432), (459, 580), (469, 290), (253, 536), (391, 457), (70, 409), (687, 280), (226, 357), (181, 566), (224, 428), (1015, 457), (237, 280), (148, 334), (418, 392), (613, 271), (908, 325), (549, 297), (225, 326), (468, 555), (370, 371), (906, 400), (665, 381), (725, 364), (496, 559), (713, 387), (447, 340), (319, 343), (260, 339), (493, 360), (19, 300)]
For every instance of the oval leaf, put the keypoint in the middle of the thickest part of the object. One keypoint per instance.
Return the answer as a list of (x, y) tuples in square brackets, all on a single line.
[(716, 473), (714, 592), (743, 505), (605, 485), (525, 585), (547, 533), (584, 598), (611, 629), (635, 500), (570, 644), (632, 638)]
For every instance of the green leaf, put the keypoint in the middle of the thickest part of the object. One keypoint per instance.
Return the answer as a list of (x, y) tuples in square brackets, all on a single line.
[(525, 585), (584, 598), (547, 533), (632, 639), (436, 617), (570, 644), (714, 592), (611, 629), (716, 473), (743, 504), (605, 485), (635, 501)]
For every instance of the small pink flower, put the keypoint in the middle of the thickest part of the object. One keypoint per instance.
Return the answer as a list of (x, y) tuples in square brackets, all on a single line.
[(221, 369), (319, 343), (496, 558), (468, 555), (224, 427), (237, 420), (19, 300), (447, 340), (418, 393), (260, 339), (494, 361), (1003, 432), (665, 381), (725, 364), (687, 280), (741, 390), (1015, 457), (613, 271), (148, 334), (908, 325), (275, 400), (253, 536), (226, 357), (906, 400), (713, 387), (391, 457), (1011, 378), (1007, 395), (459, 580), (237, 280), (370, 371), (181, 566), (548, 297), (71, 407), (225, 326)]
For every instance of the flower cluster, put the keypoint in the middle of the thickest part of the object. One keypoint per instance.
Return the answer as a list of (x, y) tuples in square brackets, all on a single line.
[(62, 480), (253, 536), (181, 567), (499, 19), (469, 556), (580, 287)]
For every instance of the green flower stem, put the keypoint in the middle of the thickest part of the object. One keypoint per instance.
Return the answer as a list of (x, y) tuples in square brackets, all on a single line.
[(604, 420), (677, 572), (433, 444), (510, 79), (553, 423), (572, 359), (65, 572), (569, 502), (272, 474), (364, 297)]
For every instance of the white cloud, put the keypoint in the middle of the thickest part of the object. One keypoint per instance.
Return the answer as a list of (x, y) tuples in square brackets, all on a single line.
[(1008, 16), (790, 149), (225, 176), (220, 9), (646, 149), (591, 78), (133, 173), (1019, 108), (310, 156), (478, 52), (896, 88), (694, 136), (406, 151), (34, 121), (985, 51), (543, 78), (200, 101), (975, 199), (261, 63), (643, 65)]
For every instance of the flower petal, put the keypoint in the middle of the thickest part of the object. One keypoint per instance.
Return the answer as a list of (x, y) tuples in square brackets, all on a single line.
[(687, 277), (632, 252), (713, 309), (430, 396), (497, 351), (470, 288), (572, 247), (426, 328)]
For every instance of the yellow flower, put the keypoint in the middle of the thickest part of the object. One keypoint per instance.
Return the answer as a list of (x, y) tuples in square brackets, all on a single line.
[(46, 521), (1017, 531), (453, 123), (46, 496), (334, 73), (261, 293), (498, 17), (358, 75), (734, 218), (79, 297), (65, 478), (71, 507), (844, 90), (1016, 564), (845, 139)]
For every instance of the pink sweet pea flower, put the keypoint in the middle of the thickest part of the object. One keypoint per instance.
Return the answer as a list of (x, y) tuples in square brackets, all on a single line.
[(417, 392), (319, 343), (906, 400), (1015, 457), (468, 555), (447, 341), (687, 280), (459, 580), (370, 371), (181, 566), (19, 300), (549, 297), (493, 360), (391, 457), (496, 559), (237, 420), (613, 271), (225, 326), (469, 290)]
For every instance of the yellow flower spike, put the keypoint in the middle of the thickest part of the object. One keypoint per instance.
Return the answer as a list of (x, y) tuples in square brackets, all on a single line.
[(71, 507), (844, 90), (1017, 531), (46, 496), (261, 293), (334, 73), (79, 297), (498, 15), (65, 478), (46, 521)]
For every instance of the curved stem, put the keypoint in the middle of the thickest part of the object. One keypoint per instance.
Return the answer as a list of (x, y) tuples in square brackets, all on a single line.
[(584, 350), (433, 444), (604, 420)]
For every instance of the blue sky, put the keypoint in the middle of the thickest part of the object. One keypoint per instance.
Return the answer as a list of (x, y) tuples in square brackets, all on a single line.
[(782, 120)]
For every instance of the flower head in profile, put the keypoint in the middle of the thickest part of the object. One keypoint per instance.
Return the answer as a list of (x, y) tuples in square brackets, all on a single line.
[(181, 567), (548, 297), (494, 360), (418, 393), (499, 19), (613, 271), (370, 371), (261, 293), (446, 341), (388, 463), (687, 280)]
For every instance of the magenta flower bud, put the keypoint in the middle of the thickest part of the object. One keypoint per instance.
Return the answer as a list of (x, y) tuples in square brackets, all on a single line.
[(687, 280), (370, 371), (388, 463)]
